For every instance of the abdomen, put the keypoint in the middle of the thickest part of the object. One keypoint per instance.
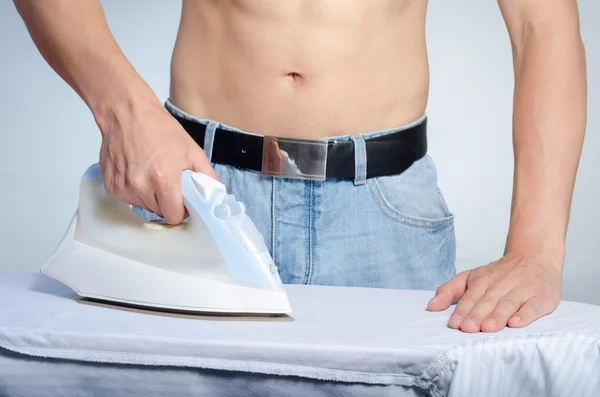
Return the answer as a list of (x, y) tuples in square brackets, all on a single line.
[(302, 68)]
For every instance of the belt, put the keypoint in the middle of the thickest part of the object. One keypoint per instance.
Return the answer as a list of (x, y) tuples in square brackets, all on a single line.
[(387, 154)]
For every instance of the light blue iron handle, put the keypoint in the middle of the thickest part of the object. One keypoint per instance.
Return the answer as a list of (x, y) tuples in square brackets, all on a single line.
[(238, 241)]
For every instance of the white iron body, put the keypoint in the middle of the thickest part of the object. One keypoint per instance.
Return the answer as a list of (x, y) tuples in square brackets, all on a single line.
[(217, 263)]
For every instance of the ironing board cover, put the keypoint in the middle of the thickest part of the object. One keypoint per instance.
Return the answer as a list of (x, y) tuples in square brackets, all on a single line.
[(352, 335)]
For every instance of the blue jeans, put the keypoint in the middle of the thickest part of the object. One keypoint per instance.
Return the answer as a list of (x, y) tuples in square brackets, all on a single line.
[(387, 232)]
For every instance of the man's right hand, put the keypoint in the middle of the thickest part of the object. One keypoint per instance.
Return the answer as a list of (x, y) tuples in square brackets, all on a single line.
[(144, 151)]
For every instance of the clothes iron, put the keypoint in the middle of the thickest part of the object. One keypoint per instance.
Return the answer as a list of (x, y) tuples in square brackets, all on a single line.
[(215, 263)]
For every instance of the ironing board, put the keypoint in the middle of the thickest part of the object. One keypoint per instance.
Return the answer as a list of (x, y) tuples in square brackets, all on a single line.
[(342, 341)]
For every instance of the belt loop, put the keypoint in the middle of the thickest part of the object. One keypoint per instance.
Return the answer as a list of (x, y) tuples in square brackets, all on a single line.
[(209, 138), (360, 160)]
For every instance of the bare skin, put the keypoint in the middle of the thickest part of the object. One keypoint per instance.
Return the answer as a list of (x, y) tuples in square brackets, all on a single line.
[(315, 69), (301, 68)]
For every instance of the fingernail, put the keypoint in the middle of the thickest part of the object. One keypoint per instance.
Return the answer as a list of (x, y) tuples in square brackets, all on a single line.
[(490, 321), (517, 318), (470, 320)]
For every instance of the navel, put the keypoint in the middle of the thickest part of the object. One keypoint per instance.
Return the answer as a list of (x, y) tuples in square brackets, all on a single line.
[(295, 77)]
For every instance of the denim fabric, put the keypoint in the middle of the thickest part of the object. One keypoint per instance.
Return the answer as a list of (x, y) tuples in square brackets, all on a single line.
[(387, 232)]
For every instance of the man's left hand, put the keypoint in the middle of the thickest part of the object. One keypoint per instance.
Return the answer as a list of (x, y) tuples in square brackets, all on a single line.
[(513, 291)]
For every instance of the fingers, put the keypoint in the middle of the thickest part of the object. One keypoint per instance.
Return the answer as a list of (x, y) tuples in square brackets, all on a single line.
[(458, 319), (157, 190), (151, 203), (167, 186), (129, 190), (494, 309), (170, 201), (135, 188), (449, 292), (532, 310), (509, 292), (142, 192)]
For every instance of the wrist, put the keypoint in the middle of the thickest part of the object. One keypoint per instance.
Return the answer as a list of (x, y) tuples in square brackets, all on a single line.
[(121, 105), (537, 230), (549, 250)]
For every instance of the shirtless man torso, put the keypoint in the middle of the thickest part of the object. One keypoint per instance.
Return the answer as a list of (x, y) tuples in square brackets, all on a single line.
[(330, 68), (302, 69)]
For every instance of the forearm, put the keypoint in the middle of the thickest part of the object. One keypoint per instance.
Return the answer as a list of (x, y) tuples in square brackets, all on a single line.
[(74, 38), (548, 129)]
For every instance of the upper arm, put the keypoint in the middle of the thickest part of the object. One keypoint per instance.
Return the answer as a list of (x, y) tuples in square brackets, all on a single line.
[(549, 17)]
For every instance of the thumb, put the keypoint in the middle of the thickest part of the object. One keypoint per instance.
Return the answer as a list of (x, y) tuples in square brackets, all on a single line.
[(449, 292)]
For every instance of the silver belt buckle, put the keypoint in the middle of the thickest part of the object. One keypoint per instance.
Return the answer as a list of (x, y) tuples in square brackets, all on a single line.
[(294, 158)]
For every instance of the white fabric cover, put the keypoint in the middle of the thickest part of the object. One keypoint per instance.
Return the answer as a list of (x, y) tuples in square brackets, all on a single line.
[(352, 336)]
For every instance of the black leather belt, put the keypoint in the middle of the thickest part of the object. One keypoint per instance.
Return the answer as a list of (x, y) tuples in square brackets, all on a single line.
[(388, 154)]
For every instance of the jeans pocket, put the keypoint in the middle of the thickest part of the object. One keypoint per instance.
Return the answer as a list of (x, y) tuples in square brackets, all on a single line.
[(413, 197)]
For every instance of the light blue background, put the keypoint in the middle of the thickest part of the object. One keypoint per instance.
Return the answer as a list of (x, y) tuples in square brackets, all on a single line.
[(48, 136)]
